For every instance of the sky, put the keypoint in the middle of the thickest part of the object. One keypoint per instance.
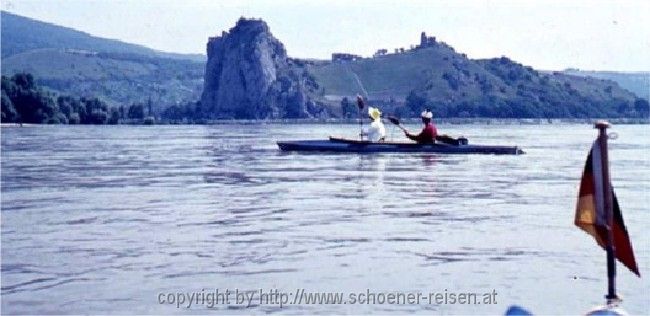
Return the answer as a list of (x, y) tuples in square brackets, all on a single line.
[(549, 35)]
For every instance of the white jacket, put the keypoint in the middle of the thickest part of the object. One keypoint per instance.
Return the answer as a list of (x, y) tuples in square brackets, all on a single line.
[(376, 131)]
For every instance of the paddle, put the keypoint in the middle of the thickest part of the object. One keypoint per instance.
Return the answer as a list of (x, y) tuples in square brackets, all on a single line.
[(395, 121), (360, 105)]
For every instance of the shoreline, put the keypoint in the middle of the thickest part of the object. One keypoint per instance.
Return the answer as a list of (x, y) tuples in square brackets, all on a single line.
[(445, 121), (452, 121)]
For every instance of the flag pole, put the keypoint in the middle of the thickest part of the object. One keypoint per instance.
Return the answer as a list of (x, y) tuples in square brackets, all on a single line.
[(609, 213)]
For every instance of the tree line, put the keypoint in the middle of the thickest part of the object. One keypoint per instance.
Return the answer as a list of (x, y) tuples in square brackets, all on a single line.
[(493, 107), (23, 101)]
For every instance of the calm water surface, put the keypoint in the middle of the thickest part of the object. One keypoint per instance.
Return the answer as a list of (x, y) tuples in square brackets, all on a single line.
[(102, 219)]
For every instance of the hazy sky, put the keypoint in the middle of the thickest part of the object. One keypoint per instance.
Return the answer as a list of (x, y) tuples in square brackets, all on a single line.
[(598, 35)]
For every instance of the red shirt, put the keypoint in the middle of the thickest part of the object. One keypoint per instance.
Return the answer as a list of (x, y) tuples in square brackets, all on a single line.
[(426, 136)]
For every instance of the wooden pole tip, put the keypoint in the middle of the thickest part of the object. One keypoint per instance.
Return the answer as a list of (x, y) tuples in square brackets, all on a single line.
[(601, 125)]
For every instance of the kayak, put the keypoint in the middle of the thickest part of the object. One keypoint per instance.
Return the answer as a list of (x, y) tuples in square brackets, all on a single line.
[(334, 144)]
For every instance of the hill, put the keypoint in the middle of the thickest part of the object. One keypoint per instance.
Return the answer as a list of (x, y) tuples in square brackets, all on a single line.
[(71, 62), (260, 81), (21, 34), (118, 79), (387, 76), (637, 82), (434, 75)]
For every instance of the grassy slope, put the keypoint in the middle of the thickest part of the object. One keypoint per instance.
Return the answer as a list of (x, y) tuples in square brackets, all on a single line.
[(118, 79), (448, 78), (593, 87), (635, 82), (395, 75), (120, 73), (21, 34), (54, 64)]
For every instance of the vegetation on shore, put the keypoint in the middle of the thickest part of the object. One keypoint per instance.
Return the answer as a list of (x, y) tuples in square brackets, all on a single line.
[(23, 101)]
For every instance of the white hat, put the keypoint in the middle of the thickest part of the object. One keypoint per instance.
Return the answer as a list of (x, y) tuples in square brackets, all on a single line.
[(374, 113), (426, 114)]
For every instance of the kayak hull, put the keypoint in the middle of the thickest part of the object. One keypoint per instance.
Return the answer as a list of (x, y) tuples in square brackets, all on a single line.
[(352, 146)]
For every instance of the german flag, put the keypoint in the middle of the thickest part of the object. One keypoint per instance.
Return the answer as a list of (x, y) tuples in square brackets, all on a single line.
[(590, 211)]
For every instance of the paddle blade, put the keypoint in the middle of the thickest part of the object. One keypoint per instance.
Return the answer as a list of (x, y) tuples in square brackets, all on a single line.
[(393, 120)]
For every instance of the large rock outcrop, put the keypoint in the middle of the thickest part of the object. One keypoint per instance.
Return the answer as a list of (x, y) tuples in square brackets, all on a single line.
[(248, 75)]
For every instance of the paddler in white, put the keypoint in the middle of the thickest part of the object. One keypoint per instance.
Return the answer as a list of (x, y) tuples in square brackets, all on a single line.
[(376, 132)]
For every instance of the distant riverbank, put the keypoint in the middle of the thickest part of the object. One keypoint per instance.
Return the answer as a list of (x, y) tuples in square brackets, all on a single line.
[(453, 120), (458, 120), (496, 121)]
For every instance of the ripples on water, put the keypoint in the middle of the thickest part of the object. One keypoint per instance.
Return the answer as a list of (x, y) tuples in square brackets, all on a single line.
[(102, 219)]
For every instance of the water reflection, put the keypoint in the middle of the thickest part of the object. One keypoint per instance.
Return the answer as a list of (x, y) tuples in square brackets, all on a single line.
[(429, 160)]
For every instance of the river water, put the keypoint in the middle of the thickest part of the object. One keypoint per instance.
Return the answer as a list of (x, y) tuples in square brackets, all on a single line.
[(112, 219)]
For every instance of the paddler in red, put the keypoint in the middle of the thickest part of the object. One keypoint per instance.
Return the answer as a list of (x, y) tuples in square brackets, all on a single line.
[(428, 133)]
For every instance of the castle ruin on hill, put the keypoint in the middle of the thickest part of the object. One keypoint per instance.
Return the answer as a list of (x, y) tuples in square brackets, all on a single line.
[(426, 41)]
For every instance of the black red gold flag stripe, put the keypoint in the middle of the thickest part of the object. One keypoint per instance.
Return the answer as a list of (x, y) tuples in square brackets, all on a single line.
[(590, 212)]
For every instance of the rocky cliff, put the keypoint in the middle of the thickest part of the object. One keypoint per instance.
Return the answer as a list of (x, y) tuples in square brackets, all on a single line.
[(248, 75)]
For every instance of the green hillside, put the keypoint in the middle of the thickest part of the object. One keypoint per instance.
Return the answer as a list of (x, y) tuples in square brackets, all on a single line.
[(437, 77), (75, 63), (637, 82), (393, 75), (118, 79), (21, 34)]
